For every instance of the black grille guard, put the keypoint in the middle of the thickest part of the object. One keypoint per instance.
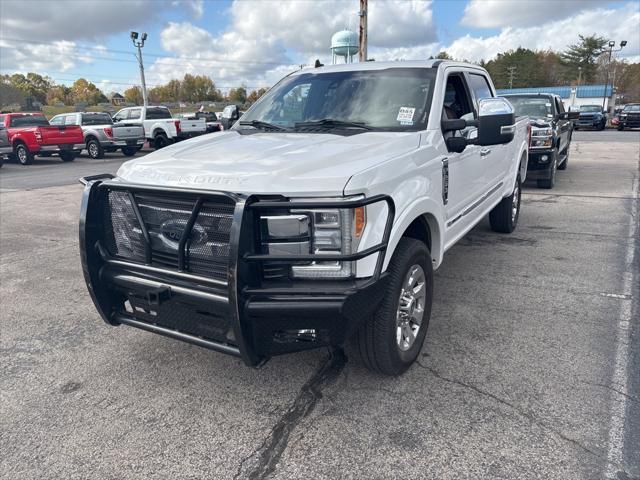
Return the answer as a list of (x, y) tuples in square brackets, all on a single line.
[(243, 272)]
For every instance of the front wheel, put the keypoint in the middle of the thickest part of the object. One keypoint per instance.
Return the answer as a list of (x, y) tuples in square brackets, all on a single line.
[(548, 183), (504, 216), (391, 341), (22, 153), (68, 156), (620, 128)]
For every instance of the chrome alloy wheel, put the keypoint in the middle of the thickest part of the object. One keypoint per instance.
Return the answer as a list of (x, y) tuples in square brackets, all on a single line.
[(93, 150), (515, 203), (410, 307), (22, 154)]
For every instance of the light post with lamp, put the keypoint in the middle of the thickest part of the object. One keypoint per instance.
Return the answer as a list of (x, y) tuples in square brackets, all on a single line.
[(140, 44)]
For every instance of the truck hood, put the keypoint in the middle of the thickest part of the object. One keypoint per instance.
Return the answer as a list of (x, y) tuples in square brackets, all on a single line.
[(292, 164)]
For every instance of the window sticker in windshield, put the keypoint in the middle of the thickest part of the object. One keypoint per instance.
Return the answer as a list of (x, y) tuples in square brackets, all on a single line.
[(405, 115)]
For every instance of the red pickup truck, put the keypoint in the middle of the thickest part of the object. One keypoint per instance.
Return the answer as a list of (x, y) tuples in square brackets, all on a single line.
[(31, 134)]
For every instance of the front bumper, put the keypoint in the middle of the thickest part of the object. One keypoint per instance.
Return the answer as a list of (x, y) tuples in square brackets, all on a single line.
[(76, 147), (186, 135), (132, 142), (589, 123), (539, 167), (243, 315)]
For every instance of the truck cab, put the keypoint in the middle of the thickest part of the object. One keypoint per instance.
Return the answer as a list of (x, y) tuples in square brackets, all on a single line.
[(551, 130), (319, 216)]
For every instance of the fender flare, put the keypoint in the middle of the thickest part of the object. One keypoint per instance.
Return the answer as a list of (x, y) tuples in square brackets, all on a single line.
[(434, 215)]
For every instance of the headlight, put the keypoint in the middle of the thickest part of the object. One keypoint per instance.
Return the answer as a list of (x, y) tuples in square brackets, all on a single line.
[(541, 138), (314, 231), (123, 233)]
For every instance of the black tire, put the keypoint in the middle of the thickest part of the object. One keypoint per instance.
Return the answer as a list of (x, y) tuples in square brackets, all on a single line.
[(377, 338), (68, 156), (129, 151), (620, 128), (576, 128), (22, 153), (94, 149), (601, 126), (548, 183), (160, 140), (503, 218)]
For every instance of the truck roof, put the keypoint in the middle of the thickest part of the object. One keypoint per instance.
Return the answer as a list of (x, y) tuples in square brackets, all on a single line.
[(533, 94), (361, 66)]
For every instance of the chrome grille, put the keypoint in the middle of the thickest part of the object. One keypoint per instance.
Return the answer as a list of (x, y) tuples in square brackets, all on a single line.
[(165, 219)]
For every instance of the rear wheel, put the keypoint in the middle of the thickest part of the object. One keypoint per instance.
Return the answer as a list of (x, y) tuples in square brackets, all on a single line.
[(129, 151), (94, 149), (160, 141), (504, 216), (391, 341), (22, 153), (68, 156)]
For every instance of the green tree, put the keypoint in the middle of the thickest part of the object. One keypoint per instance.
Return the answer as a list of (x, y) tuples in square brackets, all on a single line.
[(237, 95), (255, 95), (133, 95), (443, 55), (32, 85), (59, 94), (84, 91), (581, 58)]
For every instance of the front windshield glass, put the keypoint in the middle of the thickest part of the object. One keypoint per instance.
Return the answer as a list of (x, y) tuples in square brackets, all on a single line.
[(535, 107), (590, 108), (631, 108), (394, 99)]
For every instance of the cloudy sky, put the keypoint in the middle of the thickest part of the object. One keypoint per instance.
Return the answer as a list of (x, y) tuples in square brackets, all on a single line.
[(255, 42)]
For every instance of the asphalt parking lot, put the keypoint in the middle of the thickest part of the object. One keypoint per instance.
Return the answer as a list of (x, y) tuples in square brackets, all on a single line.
[(529, 370)]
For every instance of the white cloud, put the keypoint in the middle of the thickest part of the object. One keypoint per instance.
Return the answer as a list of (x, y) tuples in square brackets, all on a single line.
[(61, 56), (195, 8), (620, 24), (520, 13), (265, 39)]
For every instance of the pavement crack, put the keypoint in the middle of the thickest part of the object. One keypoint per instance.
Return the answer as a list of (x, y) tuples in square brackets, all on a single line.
[(518, 410), (615, 390), (263, 461)]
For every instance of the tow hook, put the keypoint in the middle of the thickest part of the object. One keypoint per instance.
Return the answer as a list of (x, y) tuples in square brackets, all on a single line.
[(158, 295)]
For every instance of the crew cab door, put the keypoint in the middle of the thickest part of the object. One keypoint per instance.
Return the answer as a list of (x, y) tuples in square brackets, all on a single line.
[(464, 171), (495, 158), (563, 125)]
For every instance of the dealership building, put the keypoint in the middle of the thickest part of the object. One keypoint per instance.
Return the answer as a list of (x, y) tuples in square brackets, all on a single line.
[(573, 96)]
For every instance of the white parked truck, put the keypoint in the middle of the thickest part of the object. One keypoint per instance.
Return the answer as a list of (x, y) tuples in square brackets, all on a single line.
[(319, 216), (160, 128)]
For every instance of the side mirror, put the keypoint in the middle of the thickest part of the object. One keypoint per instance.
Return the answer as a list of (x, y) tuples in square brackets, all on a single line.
[(496, 121), (457, 144)]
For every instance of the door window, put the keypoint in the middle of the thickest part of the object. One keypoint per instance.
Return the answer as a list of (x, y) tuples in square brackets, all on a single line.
[(70, 120), (121, 115), (59, 120), (134, 113), (480, 88)]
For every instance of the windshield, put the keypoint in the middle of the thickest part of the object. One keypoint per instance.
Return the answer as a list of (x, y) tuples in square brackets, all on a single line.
[(394, 99), (590, 108), (631, 108), (97, 119), (535, 107), (29, 121)]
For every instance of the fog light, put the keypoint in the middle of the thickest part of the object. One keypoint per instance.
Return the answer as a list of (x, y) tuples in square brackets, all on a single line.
[(544, 158)]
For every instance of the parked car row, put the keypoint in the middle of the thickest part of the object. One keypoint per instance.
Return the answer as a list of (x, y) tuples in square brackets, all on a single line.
[(24, 135), (629, 117)]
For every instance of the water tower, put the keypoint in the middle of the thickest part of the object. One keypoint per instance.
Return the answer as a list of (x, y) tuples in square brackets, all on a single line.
[(344, 44)]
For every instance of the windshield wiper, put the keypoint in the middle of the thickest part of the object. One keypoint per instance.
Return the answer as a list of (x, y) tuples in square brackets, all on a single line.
[(263, 125), (331, 123)]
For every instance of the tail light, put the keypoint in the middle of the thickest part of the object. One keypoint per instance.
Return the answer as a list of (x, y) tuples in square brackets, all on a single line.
[(108, 132), (178, 130), (38, 135)]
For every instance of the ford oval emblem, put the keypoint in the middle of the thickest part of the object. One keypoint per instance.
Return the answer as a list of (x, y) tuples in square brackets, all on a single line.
[(172, 231)]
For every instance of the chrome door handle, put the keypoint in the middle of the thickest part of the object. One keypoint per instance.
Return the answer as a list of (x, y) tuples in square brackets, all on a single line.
[(484, 152)]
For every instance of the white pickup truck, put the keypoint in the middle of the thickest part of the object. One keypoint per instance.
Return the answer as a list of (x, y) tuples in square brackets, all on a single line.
[(319, 216), (160, 128)]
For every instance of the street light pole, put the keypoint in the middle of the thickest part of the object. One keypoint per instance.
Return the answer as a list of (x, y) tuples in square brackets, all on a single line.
[(612, 44), (139, 45)]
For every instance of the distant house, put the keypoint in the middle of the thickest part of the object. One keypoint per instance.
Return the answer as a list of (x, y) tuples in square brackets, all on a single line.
[(117, 100), (573, 96)]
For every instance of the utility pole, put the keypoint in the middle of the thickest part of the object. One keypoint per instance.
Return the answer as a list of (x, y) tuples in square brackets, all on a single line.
[(512, 75), (362, 50), (140, 44)]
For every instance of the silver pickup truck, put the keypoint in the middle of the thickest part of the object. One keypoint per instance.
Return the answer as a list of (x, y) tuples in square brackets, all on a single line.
[(102, 135)]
